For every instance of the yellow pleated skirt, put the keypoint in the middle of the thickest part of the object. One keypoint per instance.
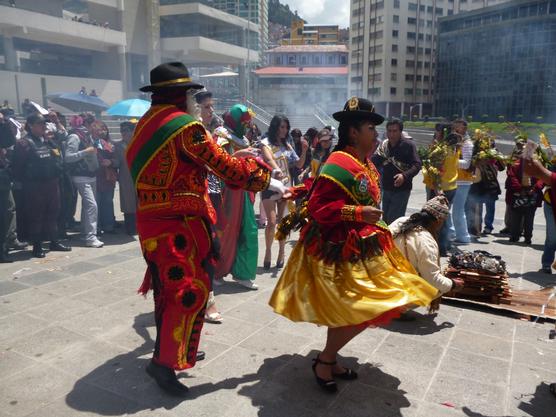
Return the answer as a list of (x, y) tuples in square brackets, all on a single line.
[(347, 293)]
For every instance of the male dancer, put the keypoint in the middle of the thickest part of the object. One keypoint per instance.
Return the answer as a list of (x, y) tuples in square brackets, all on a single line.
[(169, 157)]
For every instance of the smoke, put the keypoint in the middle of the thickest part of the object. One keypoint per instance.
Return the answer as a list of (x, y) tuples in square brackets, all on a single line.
[(325, 12)]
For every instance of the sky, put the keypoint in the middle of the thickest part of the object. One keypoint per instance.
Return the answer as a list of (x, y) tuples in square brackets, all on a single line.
[(331, 12)]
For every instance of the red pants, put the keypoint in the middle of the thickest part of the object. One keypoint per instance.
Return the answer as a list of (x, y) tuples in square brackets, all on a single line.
[(176, 251)]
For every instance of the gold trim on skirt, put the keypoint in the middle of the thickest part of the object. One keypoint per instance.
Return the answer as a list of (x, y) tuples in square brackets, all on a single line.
[(345, 293)]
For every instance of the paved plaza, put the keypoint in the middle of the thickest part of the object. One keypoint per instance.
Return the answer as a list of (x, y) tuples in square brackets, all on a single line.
[(75, 339)]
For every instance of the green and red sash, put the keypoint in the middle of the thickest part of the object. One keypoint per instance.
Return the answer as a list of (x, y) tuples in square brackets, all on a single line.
[(155, 129), (357, 180)]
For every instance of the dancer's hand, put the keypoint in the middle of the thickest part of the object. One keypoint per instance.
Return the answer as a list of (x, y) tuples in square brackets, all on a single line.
[(458, 284), (371, 214)]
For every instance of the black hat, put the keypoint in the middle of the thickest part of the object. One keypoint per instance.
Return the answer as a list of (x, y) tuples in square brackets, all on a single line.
[(170, 75), (359, 109)]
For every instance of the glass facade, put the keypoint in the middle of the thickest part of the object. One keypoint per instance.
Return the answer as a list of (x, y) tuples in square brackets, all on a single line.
[(499, 63)]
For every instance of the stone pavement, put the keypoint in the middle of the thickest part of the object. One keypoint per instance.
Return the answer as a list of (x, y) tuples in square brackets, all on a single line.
[(75, 339)]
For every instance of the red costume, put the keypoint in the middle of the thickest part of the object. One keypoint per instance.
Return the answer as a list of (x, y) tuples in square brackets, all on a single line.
[(168, 159)]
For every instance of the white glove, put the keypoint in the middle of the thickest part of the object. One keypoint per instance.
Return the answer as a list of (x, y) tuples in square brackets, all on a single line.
[(277, 186)]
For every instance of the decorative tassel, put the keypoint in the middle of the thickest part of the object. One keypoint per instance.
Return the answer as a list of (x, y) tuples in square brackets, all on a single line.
[(351, 248), (146, 285)]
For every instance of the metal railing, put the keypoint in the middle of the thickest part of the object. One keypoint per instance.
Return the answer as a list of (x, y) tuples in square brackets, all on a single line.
[(324, 117), (261, 114)]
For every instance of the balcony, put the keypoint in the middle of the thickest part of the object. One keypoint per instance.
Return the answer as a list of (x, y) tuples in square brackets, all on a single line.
[(199, 50), (40, 27)]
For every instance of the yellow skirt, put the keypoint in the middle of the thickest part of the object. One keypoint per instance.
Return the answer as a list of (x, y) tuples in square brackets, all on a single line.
[(345, 293)]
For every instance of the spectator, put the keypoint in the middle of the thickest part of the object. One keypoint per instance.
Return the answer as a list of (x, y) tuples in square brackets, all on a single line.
[(37, 164), (93, 93), (7, 140), (524, 195), (280, 154), (128, 197), (463, 182), (83, 90), (106, 177), (299, 143), (547, 259), (447, 185), (322, 151), (484, 192), (27, 108), (396, 158), (311, 137), (6, 109), (82, 164)]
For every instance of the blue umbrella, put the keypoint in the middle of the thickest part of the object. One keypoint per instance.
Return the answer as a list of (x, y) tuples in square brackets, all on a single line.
[(78, 102), (133, 107)]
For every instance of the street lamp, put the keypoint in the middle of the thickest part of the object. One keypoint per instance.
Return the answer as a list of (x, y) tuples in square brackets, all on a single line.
[(420, 105)]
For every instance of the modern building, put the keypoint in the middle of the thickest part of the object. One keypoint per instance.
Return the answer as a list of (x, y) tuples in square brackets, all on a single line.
[(255, 11), (300, 78), (110, 45), (303, 34), (393, 48), (499, 63)]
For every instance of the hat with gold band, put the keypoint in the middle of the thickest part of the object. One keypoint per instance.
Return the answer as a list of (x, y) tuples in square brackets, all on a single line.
[(357, 108), (170, 75)]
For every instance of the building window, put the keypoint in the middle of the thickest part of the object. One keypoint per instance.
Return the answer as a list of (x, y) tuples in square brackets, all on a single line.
[(291, 60), (410, 50), (395, 33), (343, 60), (393, 91), (396, 4), (411, 35), (396, 18), (277, 60), (393, 76), (409, 63), (316, 60), (418, 77), (409, 77), (330, 60), (394, 62), (408, 91), (411, 21), (303, 60), (374, 91), (425, 92), (394, 48), (412, 7)]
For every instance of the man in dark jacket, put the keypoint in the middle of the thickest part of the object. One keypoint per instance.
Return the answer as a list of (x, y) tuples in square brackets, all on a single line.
[(397, 159), (7, 139)]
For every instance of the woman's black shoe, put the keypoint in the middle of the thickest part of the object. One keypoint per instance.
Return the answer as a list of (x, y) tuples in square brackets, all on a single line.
[(327, 385), (166, 379), (348, 375), (280, 264), (266, 265), (38, 252)]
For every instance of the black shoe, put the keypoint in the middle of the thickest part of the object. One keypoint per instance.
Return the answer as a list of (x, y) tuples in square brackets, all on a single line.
[(38, 252), (5, 258), (527, 241), (280, 264), (505, 231), (166, 379), (514, 239), (58, 247), (546, 270), (327, 385), (348, 375), (200, 355), (266, 265), (17, 245)]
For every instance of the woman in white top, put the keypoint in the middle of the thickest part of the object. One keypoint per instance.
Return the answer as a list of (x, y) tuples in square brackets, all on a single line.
[(279, 153), (415, 237)]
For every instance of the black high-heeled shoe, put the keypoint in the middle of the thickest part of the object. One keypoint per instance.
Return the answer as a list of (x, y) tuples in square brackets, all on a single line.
[(327, 385), (280, 264), (266, 265), (348, 375)]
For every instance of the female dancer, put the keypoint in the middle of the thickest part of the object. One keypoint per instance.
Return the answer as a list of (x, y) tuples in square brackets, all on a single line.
[(276, 144), (345, 272)]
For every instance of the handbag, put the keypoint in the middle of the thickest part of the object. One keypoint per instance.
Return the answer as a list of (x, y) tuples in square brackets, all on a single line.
[(524, 201)]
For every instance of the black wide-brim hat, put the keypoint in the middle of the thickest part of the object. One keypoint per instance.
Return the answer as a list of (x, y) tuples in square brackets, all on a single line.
[(359, 109), (169, 76)]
